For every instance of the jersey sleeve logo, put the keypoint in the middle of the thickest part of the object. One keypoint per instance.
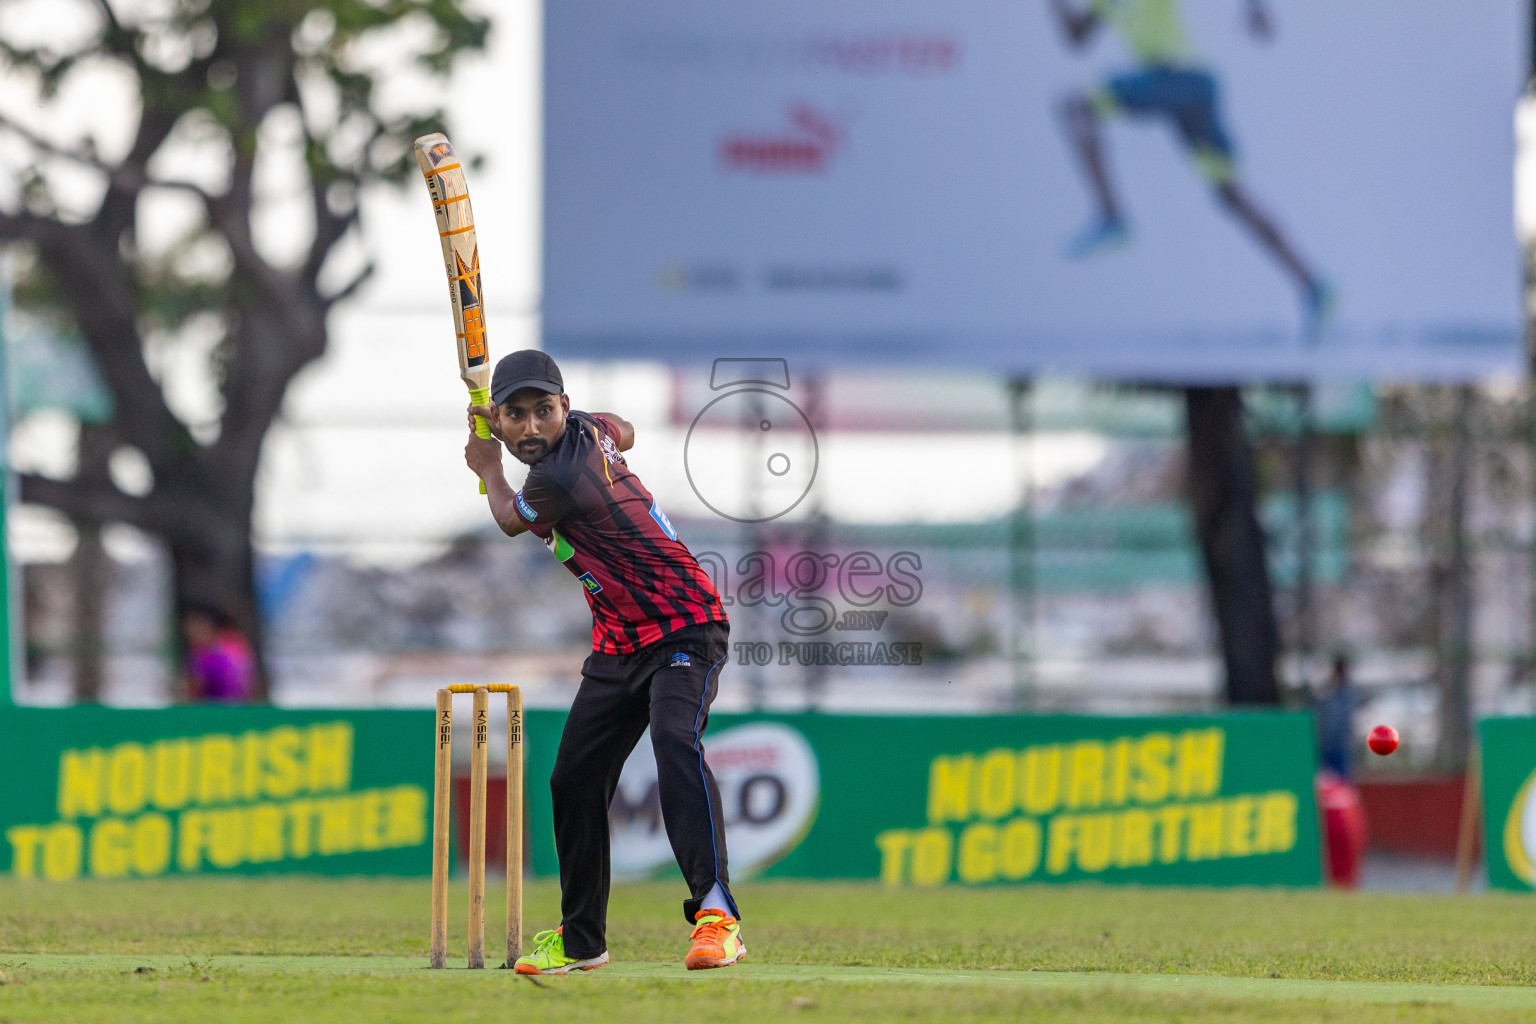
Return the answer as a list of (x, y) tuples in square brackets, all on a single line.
[(663, 522), (525, 508), (611, 453), (590, 583)]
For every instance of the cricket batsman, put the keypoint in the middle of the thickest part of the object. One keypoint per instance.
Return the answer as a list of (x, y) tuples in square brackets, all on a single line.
[(659, 639)]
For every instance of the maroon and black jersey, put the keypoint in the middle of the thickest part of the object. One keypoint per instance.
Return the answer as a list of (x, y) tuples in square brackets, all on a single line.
[(597, 517)]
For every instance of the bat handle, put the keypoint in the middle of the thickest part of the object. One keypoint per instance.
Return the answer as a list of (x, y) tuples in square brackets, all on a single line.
[(481, 396)]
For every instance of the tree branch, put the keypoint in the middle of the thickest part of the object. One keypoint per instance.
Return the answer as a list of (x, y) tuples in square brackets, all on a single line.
[(329, 229), (130, 179), (330, 226), (117, 37), (100, 294), (274, 342), (29, 227), (113, 25), (97, 501), (97, 285), (349, 289)]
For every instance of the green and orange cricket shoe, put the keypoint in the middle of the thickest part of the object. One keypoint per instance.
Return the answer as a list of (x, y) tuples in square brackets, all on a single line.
[(548, 957), (716, 941)]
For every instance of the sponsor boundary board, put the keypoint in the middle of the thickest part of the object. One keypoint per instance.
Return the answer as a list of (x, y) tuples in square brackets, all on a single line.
[(1508, 764), (109, 793), (1199, 800), (1221, 800)]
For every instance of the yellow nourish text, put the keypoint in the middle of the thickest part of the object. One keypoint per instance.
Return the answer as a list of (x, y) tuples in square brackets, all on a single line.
[(1087, 808)]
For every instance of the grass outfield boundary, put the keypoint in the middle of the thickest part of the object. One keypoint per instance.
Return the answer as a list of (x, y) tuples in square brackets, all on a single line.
[(1210, 986)]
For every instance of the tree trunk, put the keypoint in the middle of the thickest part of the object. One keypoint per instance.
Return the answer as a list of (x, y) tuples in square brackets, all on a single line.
[(204, 519), (91, 571), (1224, 494)]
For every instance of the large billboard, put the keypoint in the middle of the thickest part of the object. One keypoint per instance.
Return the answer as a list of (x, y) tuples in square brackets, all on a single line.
[(1134, 188)]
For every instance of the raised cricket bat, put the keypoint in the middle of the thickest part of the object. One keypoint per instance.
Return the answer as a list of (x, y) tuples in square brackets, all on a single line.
[(461, 258)]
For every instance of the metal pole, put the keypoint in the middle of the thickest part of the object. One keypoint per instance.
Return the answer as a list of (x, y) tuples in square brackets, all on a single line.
[(818, 526), (12, 668), (1021, 549), (756, 536), (1530, 454), (1457, 609), (1306, 538)]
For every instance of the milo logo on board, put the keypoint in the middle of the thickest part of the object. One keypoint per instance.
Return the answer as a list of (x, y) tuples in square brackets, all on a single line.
[(1520, 833), (770, 788)]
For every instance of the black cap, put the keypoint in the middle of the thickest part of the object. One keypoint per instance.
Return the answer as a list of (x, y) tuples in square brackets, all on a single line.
[(528, 368)]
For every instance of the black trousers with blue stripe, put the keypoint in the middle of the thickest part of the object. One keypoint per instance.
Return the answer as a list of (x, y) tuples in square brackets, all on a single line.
[(667, 686)]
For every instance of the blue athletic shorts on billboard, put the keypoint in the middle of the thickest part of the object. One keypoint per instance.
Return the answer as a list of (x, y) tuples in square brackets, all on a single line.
[(1186, 96)]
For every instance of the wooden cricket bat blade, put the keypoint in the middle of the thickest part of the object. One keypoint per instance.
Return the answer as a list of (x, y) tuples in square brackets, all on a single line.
[(449, 190)]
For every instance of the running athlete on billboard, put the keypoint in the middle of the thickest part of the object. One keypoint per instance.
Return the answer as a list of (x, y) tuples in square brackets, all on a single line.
[(1170, 83), (659, 639)]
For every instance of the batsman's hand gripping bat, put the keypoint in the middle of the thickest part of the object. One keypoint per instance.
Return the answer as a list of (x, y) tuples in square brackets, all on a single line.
[(461, 258)]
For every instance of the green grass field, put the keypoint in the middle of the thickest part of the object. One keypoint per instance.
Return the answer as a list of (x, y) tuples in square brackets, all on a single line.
[(322, 950)]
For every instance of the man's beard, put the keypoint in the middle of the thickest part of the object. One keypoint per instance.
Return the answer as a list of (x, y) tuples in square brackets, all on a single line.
[(530, 451)]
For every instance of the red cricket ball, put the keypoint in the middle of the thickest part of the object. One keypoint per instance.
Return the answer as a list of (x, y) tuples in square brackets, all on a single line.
[(1383, 740)]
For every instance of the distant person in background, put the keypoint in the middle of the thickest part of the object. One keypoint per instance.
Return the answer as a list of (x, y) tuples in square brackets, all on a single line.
[(220, 666), (1171, 83), (1335, 711)]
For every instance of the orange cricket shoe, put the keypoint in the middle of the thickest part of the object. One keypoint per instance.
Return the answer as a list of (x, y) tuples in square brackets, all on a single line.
[(716, 941)]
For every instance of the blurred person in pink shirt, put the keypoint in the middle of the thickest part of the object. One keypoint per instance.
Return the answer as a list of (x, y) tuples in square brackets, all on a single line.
[(220, 665)]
